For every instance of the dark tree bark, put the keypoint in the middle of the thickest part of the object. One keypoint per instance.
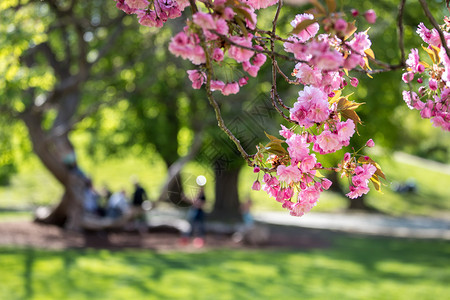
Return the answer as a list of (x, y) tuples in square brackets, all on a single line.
[(226, 205)]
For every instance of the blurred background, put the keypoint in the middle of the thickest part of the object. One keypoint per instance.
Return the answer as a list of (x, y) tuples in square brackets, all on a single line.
[(86, 85)]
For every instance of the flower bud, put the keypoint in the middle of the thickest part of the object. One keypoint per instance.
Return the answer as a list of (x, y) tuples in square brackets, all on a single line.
[(256, 185), (256, 169), (370, 143), (370, 16)]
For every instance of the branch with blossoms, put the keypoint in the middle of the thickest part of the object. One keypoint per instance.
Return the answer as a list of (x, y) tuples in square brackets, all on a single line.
[(324, 48)]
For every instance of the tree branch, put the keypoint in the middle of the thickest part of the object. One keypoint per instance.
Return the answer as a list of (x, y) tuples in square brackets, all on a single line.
[(435, 25)]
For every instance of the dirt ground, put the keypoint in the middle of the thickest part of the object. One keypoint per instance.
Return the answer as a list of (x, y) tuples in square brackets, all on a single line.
[(30, 234)]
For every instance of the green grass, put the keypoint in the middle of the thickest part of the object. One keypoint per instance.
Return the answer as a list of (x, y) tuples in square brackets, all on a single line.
[(34, 186), (354, 268)]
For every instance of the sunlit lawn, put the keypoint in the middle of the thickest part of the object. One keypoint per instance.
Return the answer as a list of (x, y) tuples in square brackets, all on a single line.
[(354, 268)]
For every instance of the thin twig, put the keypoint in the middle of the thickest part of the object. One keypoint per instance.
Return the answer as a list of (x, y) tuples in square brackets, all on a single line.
[(435, 25), (401, 42)]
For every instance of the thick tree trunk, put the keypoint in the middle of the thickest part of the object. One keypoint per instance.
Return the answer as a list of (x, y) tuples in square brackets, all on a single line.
[(226, 205)]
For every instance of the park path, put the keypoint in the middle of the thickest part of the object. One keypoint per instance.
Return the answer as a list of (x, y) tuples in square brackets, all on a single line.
[(363, 223)]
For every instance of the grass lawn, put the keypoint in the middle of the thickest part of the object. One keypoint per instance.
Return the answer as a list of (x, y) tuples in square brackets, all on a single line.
[(353, 268)]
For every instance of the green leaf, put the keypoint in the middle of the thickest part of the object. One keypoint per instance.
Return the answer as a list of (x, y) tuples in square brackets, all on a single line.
[(273, 138), (275, 148)]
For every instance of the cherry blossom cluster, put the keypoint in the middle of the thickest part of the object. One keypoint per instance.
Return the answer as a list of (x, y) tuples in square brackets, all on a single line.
[(433, 96), (317, 113), (153, 13), (227, 43), (223, 34)]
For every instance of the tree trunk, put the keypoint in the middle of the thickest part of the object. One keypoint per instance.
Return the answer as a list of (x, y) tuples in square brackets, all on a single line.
[(226, 205)]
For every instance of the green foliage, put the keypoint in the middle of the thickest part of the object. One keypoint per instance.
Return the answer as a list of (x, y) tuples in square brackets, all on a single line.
[(354, 268)]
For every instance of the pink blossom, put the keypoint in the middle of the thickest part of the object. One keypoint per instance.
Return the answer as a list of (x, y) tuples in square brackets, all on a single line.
[(347, 156), (230, 88), (250, 69), (327, 142), (370, 16), (407, 77), (354, 81), (259, 60), (308, 75), (365, 171), (432, 83), (197, 78), (370, 143), (120, 4), (353, 60), (243, 81), (309, 195), (345, 130), (217, 85), (407, 98), (429, 36), (237, 53), (358, 191), (256, 169), (308, 163), (228, 13), (149, 19), (413, 60), (326, 183), (137, 4), (360, 42), (340, 25), (284, 132), (289, 174), (310, 31), (217, 54), (298, 148), (222, 26), (257, 4), (354, 12), (204, 20), (300, 208), (256, 185)]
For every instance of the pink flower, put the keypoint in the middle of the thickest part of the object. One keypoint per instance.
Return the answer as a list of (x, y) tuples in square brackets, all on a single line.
[(353, 60), (284, 132), (250, 69), (228, 13), (309, 195), (289, 174), (310, 31), (360, 42), (347, 156), (197, 78), (256, 169), (240, 54), (413, 60), (299, 209), (429, 36), (327, 142), (326, 183), (204, 20), (365, 171), (358, 191), (259, 60), (432, 83), (298, 148), (345, 130), (370, 143), (354, 12), (308, 75), (243, 81), (217, 54), (222, 26), (256, 185), (257, 4), (407, 77), (230, 88), (370, 16), (217, 85), (308, 163), (354, 81), (149, 19), (137, 4), (340, 25)]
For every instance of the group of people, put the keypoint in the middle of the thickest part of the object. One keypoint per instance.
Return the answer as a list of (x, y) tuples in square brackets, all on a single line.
[(112, 205)]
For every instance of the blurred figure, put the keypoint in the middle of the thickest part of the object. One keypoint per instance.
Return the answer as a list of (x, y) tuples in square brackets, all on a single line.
[(117, 205), (139, 197), (196, 217), (91, 200), (246, 214)]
